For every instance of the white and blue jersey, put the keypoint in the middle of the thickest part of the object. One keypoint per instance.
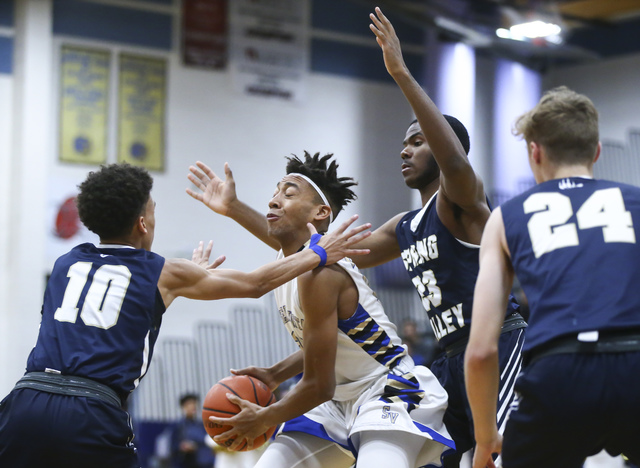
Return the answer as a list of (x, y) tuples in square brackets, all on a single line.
[(573, 245), (378, 387), (101, 316), (443, 270), (368, 344)]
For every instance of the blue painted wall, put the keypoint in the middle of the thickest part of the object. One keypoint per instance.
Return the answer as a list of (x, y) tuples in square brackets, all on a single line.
[(6, 54), (355, 61), (113, 23)]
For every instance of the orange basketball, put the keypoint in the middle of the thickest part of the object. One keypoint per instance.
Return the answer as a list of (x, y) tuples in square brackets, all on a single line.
[(216, 404)]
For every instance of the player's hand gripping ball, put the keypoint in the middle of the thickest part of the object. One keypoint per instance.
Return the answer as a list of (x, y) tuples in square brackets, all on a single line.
[(216, 404)]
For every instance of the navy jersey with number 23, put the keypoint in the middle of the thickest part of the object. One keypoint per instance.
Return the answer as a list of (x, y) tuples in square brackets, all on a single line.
[(443, 270)]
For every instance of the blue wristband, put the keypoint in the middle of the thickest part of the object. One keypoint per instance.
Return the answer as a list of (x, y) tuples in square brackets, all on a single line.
[(313, 245)]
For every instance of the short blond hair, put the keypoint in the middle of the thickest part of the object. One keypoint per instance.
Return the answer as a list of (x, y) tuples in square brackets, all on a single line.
[(565, 123)]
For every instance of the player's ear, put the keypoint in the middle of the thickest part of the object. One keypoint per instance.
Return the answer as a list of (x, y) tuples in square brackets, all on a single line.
[(323, 212), (322, 218), (535, 152), (141, 225), (598, 149)]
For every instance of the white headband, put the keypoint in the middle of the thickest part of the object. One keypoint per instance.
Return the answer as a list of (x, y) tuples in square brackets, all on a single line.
[(317, 189)]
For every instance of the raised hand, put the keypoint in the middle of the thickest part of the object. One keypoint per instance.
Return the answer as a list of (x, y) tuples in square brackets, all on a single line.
[(388, 41), (201, 256), (215, 193), (337, 244)]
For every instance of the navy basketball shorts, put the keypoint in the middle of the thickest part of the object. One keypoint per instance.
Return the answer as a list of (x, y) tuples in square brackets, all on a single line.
[(45, 429), (450, 373), (571, 406)]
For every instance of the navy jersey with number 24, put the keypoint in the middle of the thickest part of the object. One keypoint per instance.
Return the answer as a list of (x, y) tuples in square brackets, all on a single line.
[(573, 244)]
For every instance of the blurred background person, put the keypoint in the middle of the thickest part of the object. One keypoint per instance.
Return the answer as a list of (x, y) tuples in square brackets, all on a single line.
[(191, 446), (422, 346)]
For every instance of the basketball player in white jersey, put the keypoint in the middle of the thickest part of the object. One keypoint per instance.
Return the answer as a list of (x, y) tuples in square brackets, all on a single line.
[(361, 398)]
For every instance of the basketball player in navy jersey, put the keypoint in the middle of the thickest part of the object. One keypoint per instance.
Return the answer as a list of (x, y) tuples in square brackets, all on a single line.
[(360, 398), (101, 317), (572, 241), (438, 244)]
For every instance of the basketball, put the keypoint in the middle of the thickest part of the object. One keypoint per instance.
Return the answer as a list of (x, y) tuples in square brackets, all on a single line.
[(216, 404)]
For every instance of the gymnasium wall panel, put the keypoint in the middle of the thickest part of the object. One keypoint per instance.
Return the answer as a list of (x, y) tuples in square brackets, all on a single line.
[(7, 12), (112, 23), (158, 2), (355, 61), (608, 41), (354, 20), (6, 55)]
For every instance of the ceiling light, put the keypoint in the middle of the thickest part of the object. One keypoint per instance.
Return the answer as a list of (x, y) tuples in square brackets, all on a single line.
[(535, 29), (537, 26)]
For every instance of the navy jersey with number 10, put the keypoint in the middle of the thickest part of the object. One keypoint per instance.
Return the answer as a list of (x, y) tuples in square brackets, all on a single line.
[(101, 316), (573, 245)]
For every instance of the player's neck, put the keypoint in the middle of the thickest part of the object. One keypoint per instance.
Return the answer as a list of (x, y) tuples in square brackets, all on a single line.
[(563, 172), (121, 241), (292, 244), (428, 190)]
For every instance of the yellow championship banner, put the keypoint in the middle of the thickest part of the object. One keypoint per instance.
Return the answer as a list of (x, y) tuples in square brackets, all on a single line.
[(84, 83), (141, 111)]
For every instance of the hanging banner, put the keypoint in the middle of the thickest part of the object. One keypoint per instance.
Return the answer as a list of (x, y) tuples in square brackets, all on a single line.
[(204, 33), (270, 47), (84, 84), (141, 111)]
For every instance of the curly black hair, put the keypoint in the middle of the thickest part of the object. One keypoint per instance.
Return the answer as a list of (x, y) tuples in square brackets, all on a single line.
[(111, 199), (335, 188)]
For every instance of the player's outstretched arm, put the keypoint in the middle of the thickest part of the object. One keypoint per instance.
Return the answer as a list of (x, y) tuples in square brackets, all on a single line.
[(382, 243), (482, 373), (188, 279), (220, 196), (459, 182)]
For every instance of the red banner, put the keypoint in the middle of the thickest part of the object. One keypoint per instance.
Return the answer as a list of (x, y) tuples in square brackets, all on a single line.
[(205, 33)]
